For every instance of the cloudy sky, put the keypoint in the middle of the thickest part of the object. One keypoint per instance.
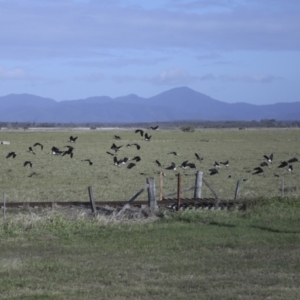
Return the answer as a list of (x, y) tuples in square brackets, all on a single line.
[(231, 50)]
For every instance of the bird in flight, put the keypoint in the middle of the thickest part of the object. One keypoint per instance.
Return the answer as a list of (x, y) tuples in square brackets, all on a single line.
[(13, 154), (30, 150), (147, 137), (213, 171), (258, 170), (158, 163), (89, 161), (27, 162), (139, 131), (154, 127), (198, 157), (131, 165), (39, 144), (269, 158), (172, 167), (73, 139)]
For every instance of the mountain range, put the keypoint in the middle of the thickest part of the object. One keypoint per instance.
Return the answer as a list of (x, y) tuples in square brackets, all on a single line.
[(177, 104)]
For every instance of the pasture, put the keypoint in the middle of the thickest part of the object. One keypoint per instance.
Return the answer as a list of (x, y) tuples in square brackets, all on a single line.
[(193, 254), (62, 178)]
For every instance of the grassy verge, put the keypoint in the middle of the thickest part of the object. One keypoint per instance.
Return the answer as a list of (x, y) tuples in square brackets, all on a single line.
[(251, 254)]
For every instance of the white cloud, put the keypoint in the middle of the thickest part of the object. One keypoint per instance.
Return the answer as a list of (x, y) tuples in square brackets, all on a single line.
[(172, 77), (13, 74)]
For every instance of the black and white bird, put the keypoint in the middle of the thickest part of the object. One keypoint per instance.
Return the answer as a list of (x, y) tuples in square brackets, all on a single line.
[(264, 164), (154, 127), (30, 150), (73, 139), (39, 144), (138, 147), (172, 167), (184, 164), (158, 163), (89, 161), (198, 157), (216, 164), (213, 171), (258, 170), (290, 168), (140, 131), (115, 147), (147, 137), (269, 158), (56, 151), (225, 163), (69, 151), (11, 154), (27, 162), (117, 162)]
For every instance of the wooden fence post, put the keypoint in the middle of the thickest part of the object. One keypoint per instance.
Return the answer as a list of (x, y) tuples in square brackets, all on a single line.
[(152, 194), (4, 206), (94, 210), (178, 191), (238, 189), (198, 185), (161, 194)]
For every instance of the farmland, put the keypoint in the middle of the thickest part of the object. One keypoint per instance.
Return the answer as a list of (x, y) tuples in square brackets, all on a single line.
[(196, 254), (61, 178)]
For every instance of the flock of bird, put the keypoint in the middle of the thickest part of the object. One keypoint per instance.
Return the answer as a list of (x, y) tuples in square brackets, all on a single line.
[(132, 162)]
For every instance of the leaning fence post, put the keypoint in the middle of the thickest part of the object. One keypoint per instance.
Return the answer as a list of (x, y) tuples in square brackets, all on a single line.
[(198, 185), (282, 187), (151, 194), (92, 201), (178, 191)]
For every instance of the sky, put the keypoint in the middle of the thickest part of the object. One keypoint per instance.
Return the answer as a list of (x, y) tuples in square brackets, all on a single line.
[(231, 50)]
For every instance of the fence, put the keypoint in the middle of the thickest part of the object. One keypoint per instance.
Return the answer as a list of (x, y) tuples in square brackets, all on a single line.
[(153, 204)]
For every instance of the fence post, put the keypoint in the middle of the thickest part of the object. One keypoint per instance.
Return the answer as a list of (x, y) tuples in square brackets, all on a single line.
[(198, 185), (238, 189), (4, 206), (92, 200), (178, 191), (282, 187), (152, 194), (161, 186)]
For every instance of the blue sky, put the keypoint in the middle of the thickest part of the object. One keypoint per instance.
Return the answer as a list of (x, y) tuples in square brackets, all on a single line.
[(231, 50)]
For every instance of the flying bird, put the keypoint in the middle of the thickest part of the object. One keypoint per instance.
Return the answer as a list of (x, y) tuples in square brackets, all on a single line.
[(225, 163), (154, 127), (269, 158), (172, 167), (283, 164), (73, 139), (13, 154), (117, 137), (115, 147), (213, 171), (39, 144), (173, 152), (198, 157), (131, 165), (158, 163), (27, 162), (138, 147), (264, 164), (89, 161), (139, 131), (30, 150), (137, 158), (258, 170), (294, 159), (147, 137)]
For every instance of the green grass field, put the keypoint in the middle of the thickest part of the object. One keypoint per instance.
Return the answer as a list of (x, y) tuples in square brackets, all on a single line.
[(57, 253), (252, 254), (57, 178)]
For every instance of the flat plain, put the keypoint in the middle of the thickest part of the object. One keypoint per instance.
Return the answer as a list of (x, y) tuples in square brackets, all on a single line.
[(55, 253), (62, 178)]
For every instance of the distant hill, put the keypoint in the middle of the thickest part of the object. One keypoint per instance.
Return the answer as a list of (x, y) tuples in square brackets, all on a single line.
[(173, 105)]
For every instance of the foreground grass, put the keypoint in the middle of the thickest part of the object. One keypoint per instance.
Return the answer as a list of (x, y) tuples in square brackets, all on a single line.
[(252, 254)]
